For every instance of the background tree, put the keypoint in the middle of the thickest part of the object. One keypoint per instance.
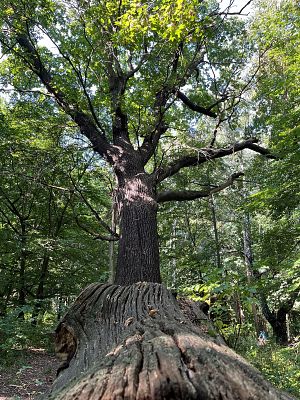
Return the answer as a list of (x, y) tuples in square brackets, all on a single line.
[(278, 198), (42, 256)]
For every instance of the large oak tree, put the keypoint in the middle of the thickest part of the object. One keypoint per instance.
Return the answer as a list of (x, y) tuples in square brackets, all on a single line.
[(122, 71), (130, 75)]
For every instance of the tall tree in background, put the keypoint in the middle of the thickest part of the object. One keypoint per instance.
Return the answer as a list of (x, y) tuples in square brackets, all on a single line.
[(277, 29)]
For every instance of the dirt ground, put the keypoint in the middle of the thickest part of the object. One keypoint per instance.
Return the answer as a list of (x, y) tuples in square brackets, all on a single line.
[(30, 378)]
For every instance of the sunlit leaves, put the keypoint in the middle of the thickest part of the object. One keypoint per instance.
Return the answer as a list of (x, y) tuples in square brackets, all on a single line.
[(185, 43)]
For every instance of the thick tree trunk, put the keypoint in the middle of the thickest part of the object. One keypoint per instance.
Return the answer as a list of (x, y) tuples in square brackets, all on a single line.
[(138, 252), (276, 319), (135, 342), (279, 327)]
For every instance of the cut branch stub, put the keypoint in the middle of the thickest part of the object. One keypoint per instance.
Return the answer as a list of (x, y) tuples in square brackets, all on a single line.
[(135, 342)]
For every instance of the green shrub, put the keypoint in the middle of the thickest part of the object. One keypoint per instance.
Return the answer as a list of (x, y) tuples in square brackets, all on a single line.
[(18, 333), (280, 365)]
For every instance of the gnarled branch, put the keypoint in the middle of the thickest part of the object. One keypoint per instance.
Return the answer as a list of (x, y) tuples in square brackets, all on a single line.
[(84, 121), (185, 195), (208, 154), (195, 107)]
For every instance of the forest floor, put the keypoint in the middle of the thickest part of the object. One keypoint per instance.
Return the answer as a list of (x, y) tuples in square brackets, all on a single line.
[(29, 377), (28, 374)]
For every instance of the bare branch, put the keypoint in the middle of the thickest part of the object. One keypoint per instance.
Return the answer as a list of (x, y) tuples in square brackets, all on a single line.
[(240, 12), (212, 142), (8, 221), (133, 69), (94, 212), (186, 195), (33, 91), (96, 236)]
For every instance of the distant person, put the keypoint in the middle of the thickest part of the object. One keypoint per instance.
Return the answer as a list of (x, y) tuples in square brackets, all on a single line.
[(262, 338)]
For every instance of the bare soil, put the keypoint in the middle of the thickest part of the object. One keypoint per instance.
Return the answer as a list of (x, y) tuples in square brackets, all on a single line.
[(30, 377)]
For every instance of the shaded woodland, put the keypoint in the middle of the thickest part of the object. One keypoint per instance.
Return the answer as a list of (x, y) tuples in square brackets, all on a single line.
[(150, 152)]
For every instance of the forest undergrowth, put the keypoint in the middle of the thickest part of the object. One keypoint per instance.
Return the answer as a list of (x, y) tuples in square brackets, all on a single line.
[(279, 364), (28, 363)]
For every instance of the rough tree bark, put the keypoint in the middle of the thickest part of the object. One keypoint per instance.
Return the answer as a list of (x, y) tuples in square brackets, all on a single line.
[(135, 342), (138, 251)]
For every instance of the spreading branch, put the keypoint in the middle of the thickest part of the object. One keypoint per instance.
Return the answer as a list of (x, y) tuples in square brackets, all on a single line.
[(207, 154), (81, 78), (186, 195), (195, 107), (84, 121), (96, 236), (165, 97)]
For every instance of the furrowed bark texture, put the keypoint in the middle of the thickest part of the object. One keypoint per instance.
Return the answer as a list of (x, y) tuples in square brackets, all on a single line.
[(138, 251), (135, 342)]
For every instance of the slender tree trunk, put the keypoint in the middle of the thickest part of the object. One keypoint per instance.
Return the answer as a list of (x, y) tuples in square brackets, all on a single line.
[(248, 257), (288, 330), (22, 291), (111, 250), (216, 233), (60, 307), (172, 264), (3, 304), (40, 293), (138, 252), (5, 298), (22, 261)]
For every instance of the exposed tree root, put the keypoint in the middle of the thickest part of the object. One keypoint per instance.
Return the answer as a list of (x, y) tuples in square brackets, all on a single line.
[(136, 343)]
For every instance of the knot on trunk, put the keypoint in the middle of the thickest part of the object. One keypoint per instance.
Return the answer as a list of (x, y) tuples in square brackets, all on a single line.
[(65, 345)]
